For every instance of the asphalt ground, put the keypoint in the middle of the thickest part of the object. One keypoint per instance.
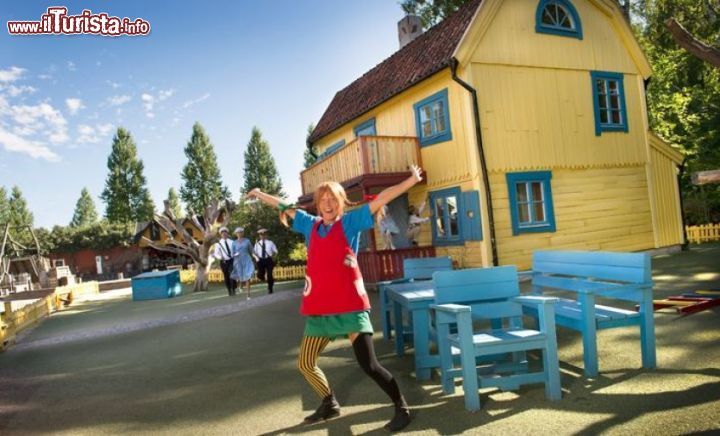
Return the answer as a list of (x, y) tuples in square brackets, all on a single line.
[(206, 363)]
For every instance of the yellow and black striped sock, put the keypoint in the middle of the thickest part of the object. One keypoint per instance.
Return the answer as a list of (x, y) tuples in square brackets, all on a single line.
[(310, 350)]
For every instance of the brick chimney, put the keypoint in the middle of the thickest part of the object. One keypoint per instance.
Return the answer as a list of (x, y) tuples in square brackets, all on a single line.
[(409, 28)]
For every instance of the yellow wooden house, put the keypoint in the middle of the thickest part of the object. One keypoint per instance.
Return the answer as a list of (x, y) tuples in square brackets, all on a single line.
[(153, 231), (529, 119)]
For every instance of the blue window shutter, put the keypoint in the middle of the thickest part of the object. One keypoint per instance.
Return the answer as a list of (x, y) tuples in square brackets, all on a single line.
[(470, 212)]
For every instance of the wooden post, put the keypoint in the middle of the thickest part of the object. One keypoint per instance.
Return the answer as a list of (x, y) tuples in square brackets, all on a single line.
[(373, 246), (48, 304), (364, 155), (8, 315)]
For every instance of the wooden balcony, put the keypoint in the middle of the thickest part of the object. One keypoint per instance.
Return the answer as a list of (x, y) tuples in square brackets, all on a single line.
[(388, 264), (366, 162)]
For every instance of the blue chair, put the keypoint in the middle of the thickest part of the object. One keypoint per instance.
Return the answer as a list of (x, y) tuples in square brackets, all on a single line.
[(415, 269), (491, 296)]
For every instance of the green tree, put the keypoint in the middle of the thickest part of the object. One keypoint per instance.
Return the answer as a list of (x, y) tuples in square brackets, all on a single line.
[(310, 154), (174, 202), (4, 208), (126, 197), (260, 169), (98, 235), (44, 238), (85, 213), (431, 12), (684, 94), (261, 172), (146, 207), (20, 218), (19, 213), (256, 216), (201, 175)]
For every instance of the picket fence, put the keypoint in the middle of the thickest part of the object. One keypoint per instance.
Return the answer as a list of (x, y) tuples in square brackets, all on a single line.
[(14, 320), (280, 273), (703, 233)]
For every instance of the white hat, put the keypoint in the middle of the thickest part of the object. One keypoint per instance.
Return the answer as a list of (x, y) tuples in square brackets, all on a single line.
[(223, 229), (262, 231), (239, 230)]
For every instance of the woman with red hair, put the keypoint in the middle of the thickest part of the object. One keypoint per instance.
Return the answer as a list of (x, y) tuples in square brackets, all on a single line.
[(334, 301)]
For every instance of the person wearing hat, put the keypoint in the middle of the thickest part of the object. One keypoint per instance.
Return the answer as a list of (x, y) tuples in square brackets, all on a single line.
[(243, 267), (265, 249), (223, 252)]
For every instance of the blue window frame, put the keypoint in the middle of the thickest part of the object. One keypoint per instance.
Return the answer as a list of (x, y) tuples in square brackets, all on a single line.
[(432, 119), (609, 102), (531, 204), (332, 149), (446, 222), (366, 128), (558, 17)]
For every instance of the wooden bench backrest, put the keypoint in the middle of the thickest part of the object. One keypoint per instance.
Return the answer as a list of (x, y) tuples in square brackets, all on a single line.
[(422, 268), (597, 265), (486, 290)]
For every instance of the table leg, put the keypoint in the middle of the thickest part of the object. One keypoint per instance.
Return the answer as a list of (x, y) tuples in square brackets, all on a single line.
[(399, 333), (421, 337)]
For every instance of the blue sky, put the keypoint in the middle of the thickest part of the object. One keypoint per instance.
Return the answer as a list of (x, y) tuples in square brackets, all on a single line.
[(229, 65)]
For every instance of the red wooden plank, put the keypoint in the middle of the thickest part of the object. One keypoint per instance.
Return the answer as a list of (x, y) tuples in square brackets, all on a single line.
[(699, 307)]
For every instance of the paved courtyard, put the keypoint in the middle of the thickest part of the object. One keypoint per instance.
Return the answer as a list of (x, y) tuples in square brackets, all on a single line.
[(210, 364)]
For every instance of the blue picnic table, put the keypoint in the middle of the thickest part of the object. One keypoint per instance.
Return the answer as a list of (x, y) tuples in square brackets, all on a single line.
[(415, 299)]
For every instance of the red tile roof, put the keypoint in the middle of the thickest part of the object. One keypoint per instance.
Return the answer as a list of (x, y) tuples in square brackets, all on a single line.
[(426, 55)]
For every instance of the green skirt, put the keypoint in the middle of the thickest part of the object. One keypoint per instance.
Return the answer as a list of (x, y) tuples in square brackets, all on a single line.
[(334, 326)]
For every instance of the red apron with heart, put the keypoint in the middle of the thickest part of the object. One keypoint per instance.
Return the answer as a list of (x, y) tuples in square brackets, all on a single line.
[(333, 284)]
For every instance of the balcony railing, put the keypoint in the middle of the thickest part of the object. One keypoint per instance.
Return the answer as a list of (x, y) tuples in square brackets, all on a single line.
[(388, 264), (363, 156)]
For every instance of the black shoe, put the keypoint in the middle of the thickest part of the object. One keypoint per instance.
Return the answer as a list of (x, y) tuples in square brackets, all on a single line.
[(401, 419), (329, 409)]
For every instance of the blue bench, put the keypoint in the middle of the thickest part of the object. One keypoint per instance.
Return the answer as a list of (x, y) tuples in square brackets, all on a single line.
[(415, 269), (492, 296), (587, 276)]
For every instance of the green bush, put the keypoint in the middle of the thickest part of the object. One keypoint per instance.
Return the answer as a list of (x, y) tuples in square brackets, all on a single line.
[(99, 236)]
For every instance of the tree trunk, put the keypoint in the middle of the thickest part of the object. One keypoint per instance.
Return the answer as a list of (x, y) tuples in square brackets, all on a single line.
[(202, 269), (201, 277), (216, 214), (686, 40)]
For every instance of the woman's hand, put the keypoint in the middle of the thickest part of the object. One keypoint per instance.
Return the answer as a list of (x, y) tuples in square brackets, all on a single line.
[(253, 194), (416, 172), (389, 194)]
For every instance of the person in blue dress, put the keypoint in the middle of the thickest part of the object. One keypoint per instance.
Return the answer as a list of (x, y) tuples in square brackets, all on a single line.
[(243, 267)]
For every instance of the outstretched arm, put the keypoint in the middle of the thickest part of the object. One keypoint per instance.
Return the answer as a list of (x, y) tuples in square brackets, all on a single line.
[(421, 209), (270, 200), (389, 194)]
